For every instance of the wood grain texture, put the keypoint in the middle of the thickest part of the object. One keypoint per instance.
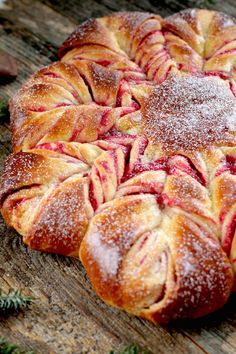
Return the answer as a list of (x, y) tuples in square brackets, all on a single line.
[(67, 317)]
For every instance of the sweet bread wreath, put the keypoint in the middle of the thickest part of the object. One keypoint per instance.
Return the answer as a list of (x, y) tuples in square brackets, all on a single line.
[(125, 155)]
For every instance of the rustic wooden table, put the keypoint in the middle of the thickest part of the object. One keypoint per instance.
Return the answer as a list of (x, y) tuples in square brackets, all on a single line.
[(67, 317)]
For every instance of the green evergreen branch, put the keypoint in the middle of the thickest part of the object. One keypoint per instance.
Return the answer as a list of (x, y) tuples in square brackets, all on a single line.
[(132, 349), (4, 113), (9, 348), (13, 301)]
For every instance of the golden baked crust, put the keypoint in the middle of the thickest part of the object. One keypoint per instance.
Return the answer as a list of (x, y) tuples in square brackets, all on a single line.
[(125, 155)]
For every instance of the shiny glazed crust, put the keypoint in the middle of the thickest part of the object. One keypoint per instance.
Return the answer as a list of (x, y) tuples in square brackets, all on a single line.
[(114, 160)]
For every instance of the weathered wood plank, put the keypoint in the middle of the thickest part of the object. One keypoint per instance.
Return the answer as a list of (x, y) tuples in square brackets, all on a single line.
[(66, 302), (67, 317), (31, 32), (52, 325), (215, 333), (42, 21), (82, 10)]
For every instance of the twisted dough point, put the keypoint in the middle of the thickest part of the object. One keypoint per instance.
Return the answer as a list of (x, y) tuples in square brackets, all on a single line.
[(130, 241), (87, 178)]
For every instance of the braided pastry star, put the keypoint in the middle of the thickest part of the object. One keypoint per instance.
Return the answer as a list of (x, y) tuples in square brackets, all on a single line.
[(124, 155)]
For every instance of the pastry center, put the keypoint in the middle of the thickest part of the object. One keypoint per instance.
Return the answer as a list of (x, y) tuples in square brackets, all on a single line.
[(190, 113)]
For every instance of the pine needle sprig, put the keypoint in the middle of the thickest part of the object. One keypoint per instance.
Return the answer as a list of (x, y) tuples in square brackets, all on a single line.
[(13, 301), (4, 113), (9, 348), (132, 349)]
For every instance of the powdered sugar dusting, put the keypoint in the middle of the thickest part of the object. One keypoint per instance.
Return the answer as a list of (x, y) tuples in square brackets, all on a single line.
[(202, 268), (109, 254), (190, 113)]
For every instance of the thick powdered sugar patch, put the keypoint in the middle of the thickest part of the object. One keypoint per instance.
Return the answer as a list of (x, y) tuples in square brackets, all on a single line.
[(190, 113), (106, 255)]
